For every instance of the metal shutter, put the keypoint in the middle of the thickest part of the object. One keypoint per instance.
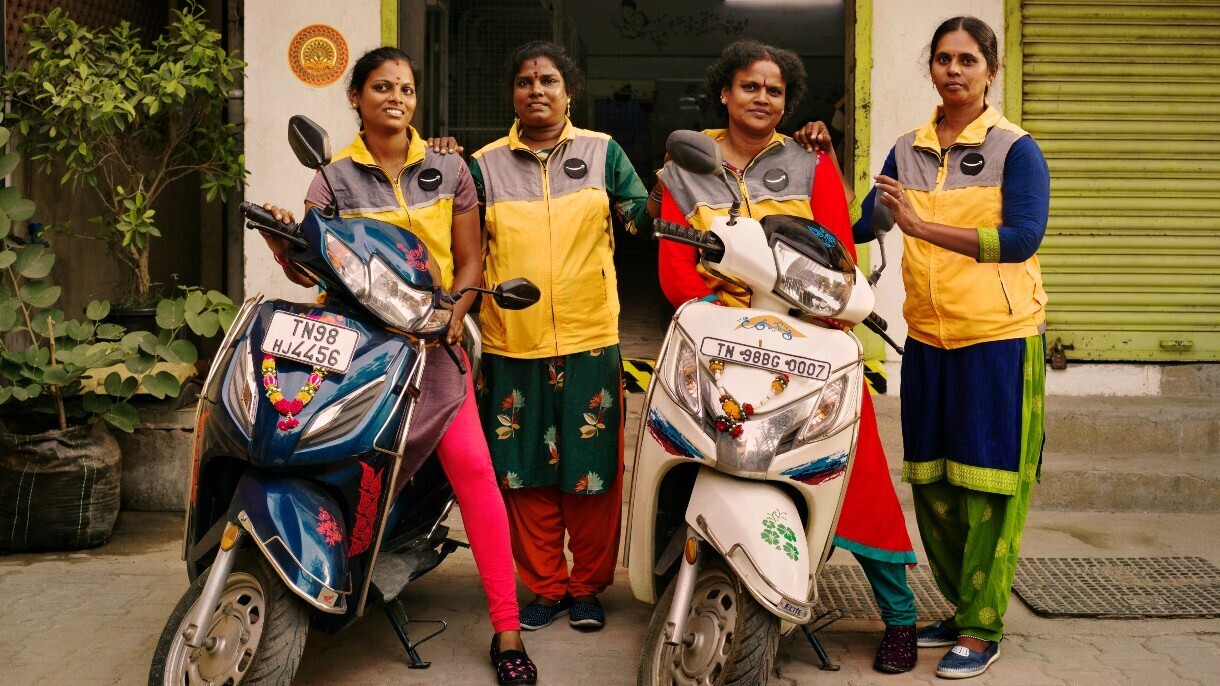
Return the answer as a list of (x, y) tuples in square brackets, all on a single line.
[(1124, 99)]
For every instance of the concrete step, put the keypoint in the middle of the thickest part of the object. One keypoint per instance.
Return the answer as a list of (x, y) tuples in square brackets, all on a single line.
[(1187, 483), (1107, 425)]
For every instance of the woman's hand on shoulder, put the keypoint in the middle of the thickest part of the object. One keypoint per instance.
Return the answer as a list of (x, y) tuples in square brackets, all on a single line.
[(445, 145), (814, 135)]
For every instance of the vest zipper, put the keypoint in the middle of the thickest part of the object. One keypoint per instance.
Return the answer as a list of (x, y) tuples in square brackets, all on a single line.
[(396, 183), (546, 193), (1004, 289), (741, 178)]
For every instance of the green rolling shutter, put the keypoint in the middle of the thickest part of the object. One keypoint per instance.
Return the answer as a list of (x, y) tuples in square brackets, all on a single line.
[(1124, 98)]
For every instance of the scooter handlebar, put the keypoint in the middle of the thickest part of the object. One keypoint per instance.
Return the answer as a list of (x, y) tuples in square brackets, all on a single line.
[(709, 243), (260, 219)]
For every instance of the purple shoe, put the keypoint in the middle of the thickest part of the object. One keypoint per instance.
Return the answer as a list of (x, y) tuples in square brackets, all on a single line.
[(897, 653)]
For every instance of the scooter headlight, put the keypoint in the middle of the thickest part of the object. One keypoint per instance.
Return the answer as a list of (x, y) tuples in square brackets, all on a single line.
[(397, 302), (349, 267), (684, 376), (825, 411), (813, 288)]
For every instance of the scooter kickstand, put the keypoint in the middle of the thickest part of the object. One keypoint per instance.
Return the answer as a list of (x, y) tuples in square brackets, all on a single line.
[(811, 634), (398, 619)]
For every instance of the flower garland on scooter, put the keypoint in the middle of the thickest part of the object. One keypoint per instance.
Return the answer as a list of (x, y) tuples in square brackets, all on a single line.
[(283, 405), (735, 412)]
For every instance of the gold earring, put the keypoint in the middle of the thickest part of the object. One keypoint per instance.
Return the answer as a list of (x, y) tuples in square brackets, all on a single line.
[(569, 113)]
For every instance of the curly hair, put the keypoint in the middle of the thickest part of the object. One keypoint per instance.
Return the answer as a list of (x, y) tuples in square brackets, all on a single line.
[(573, 78), (741, 54)]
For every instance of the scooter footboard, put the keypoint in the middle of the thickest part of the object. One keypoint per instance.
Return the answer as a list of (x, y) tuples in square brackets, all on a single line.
[(301, 531), (756, 528)]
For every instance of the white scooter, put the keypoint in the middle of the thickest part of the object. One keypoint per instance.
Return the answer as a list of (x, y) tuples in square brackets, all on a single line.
[(747, 445)]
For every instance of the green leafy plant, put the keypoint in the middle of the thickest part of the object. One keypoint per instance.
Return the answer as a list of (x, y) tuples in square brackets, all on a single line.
[(84, 370), (128, 119)]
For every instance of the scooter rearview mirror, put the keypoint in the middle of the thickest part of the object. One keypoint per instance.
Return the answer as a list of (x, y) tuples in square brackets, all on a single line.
[(516, 294), (309, 142), (883, 221), (694, 152)]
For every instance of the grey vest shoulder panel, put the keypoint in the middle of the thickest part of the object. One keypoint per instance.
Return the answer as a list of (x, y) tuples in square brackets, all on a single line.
[(968, 166), (433, 179), (783, 173), (360, 190), (515, 175)]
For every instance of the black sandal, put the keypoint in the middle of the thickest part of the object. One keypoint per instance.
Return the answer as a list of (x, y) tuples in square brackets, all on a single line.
[(513, 667)]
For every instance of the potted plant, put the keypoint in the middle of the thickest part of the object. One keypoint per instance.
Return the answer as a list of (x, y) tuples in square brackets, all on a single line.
[(127, 119), (63, 383)]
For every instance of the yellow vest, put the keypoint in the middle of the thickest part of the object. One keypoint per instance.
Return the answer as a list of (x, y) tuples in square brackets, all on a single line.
[(419, 199), (952, 300), (548, 220), (779, 180)]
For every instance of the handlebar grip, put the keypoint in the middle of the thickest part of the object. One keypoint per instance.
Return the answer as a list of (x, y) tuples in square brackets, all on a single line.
[(258, 214), (878, 321), (709, 243), (262, 220)]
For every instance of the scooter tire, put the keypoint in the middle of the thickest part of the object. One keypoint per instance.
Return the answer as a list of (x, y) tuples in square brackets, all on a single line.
[(751, 632), (269, 613)]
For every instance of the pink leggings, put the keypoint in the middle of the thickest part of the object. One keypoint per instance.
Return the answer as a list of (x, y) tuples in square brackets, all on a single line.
[(467, 463)]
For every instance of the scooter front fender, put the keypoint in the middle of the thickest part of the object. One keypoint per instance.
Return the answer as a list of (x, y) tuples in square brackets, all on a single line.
[(300, 530), (756, 528)]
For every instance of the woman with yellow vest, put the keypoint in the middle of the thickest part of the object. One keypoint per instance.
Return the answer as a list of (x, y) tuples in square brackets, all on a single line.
[(970, 192), (756, 86), (552, 400), (389, 173)]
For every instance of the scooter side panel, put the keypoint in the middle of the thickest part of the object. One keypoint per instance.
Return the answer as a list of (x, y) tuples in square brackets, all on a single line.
[(301, 531), (753, 525), (669, 437)]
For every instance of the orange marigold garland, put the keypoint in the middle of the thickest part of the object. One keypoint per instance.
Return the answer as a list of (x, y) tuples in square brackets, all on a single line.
[(735, 413), (283, 405)]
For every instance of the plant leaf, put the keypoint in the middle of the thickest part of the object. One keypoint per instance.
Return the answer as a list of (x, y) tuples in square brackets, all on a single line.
[(185, 351), (7, 257), (122, 417), (40, 294), (171, 314), (98, 310)]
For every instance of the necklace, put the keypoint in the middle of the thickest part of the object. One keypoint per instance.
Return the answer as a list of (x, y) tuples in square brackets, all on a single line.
[(735, 412), (283, 405)]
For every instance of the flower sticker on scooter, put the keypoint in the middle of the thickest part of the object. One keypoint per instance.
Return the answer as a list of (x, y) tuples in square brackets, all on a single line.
[(779, 535)]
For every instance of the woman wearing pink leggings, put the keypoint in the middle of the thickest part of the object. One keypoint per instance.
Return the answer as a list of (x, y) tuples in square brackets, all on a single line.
[(391, 174)]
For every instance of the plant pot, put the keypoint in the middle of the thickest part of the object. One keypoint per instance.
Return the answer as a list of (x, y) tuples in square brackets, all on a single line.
[(134, 318), (59, 490), (157, 458)]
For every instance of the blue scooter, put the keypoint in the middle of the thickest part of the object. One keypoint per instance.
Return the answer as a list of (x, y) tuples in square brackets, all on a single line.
[(291, 520)]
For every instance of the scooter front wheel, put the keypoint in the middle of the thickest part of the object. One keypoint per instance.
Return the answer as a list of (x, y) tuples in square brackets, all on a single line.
[(255, 636), (731, 640)]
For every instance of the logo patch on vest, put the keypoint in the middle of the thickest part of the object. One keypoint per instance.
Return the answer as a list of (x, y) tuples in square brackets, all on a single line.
[(430, 179), (576, 169), (972, 164), (775, 179)]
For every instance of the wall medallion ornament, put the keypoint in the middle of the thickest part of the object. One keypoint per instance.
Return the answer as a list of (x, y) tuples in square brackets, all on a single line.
[(318, 55)]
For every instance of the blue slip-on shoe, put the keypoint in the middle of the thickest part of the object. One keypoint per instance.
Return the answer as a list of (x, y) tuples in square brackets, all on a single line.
[(536, 615), (936, 635), (963, 663), (587, 614)]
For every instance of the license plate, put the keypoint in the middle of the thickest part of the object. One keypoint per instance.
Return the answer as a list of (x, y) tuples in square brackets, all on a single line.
[(762, 358), (315, 343)]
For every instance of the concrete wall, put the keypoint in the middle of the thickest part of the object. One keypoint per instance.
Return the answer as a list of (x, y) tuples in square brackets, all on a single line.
[(273, 94), (903, 98)]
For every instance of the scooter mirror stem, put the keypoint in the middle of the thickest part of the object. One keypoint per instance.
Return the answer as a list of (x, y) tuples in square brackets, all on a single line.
[(735, 210)]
